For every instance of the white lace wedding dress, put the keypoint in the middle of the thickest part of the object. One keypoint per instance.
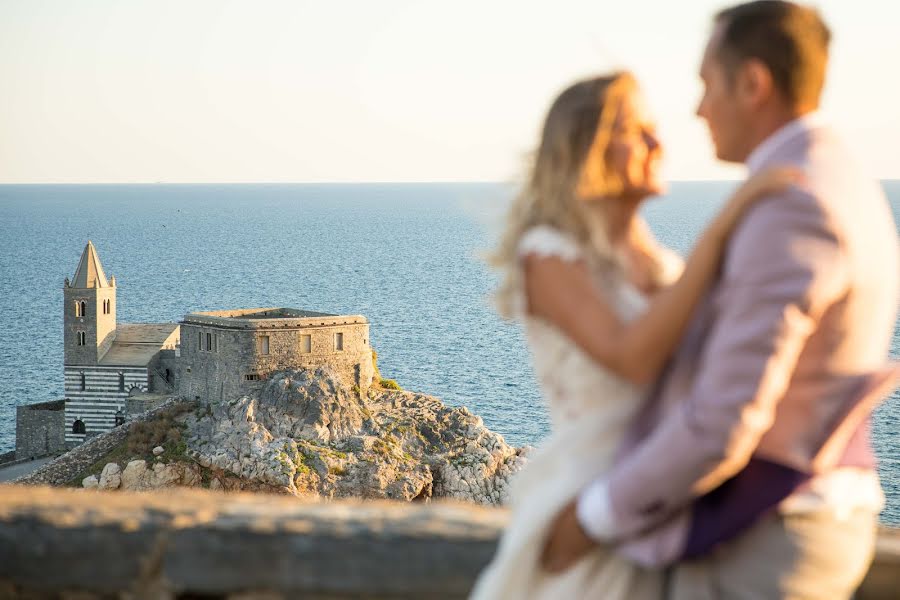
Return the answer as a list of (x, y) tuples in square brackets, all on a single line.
[(590, 410)]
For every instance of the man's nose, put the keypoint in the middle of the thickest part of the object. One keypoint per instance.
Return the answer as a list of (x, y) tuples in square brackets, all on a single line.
[(700, 107)]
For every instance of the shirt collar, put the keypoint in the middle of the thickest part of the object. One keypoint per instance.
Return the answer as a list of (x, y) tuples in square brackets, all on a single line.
[(782, 136)]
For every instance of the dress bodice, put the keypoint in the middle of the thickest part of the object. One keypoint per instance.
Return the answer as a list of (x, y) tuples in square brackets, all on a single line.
[(591, 408), (573, 384)]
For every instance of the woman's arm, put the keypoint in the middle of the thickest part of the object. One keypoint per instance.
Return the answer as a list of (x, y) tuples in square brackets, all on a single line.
[(564, 294)]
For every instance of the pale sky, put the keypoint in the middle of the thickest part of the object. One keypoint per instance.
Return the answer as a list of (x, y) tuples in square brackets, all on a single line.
[(386, 90)]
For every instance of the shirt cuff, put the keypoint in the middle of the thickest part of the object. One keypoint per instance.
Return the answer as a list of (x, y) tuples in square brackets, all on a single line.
[(594, 512)]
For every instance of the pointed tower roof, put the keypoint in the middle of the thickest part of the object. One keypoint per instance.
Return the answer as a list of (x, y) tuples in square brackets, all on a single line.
[(89, 273)]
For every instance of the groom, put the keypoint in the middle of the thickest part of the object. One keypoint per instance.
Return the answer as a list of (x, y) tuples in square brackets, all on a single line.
[(751, 467)]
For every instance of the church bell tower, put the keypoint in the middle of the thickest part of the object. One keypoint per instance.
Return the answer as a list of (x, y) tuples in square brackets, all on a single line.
[(89, 315)]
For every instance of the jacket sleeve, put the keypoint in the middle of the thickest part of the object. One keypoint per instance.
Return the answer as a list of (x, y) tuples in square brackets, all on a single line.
[(784, 268)]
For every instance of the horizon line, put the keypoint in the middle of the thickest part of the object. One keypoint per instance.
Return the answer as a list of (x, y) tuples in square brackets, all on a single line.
[(340, 182)]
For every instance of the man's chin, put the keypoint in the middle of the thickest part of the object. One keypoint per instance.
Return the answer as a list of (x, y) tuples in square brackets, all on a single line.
[(725, 155)]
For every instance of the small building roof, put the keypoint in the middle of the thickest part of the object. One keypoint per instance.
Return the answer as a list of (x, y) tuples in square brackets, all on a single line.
[(89, 273), (269, 318), (137, 343), (263, 313)]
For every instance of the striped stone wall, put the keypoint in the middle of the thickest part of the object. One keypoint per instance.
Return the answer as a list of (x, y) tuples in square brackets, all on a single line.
[(102, 395)]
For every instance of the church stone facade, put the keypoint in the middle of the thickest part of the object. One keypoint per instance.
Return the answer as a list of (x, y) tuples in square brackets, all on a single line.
[(208, 356), (104, 361)]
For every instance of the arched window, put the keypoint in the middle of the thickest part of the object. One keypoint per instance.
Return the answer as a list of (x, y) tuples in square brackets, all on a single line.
[(78, 426), (168, 376), (121, 382), (106, 307), (83, 382), (80, 308), (82, 338)]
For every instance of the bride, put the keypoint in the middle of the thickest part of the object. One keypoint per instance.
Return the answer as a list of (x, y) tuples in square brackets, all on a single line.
[(603, 307)]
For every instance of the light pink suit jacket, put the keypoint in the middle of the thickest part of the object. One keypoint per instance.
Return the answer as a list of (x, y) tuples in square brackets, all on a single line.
[(784, 360)]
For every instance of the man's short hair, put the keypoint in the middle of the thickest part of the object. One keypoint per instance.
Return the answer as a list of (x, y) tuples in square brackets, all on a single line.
[(789, 39)]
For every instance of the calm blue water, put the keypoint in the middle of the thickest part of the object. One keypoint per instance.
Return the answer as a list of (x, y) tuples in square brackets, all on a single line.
[(404, 255)]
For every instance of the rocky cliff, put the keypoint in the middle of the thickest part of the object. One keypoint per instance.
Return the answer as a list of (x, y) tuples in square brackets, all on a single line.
[(306, 434)]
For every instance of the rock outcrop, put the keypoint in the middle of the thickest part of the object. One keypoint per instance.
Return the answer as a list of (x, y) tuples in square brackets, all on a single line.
[(307, 434)]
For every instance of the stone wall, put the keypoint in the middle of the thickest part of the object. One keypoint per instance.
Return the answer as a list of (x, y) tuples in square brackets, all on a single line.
[(199, 544), (138, 404), (163, 371), (40, 429), (61, 470), (106, 391), (219, 362)]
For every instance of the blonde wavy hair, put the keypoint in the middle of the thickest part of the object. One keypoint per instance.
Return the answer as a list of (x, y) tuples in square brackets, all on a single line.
[(570, 163)]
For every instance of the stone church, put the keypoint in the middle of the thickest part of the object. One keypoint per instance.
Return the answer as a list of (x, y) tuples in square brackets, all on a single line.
[(104, 361), (208, 356)]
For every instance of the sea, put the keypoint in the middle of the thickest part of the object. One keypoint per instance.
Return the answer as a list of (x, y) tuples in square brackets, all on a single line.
[(408, 256)]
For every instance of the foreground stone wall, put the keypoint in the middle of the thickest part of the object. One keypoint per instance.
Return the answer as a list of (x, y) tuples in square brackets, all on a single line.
[(40, 429), (188, 543), (214, 545)]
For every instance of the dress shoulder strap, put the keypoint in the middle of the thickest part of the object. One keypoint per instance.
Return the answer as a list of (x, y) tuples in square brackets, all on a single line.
[(545, 240)]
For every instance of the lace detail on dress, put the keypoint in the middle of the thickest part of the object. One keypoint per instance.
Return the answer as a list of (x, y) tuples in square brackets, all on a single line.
[(573, 385), (545, 240)]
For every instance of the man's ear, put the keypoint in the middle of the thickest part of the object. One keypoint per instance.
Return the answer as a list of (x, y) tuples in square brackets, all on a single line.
[(754, 83)]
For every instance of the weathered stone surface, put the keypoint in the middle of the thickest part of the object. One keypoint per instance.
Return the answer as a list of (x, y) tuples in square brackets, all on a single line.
[(90, 482), (220, 349), (65, 543), (134, 477), (138, 475), (307, 433), (40, 429), (111, 477), (199, 542), (158, 450)]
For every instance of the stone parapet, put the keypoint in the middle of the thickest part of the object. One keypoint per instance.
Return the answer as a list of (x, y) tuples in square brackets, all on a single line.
[(258, 318), (191, 543)]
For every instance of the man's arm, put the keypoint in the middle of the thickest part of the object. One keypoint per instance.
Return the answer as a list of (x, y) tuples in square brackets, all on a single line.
[(784, 269)]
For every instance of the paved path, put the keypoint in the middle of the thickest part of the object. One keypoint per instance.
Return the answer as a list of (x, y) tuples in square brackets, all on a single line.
[(16, 471)]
